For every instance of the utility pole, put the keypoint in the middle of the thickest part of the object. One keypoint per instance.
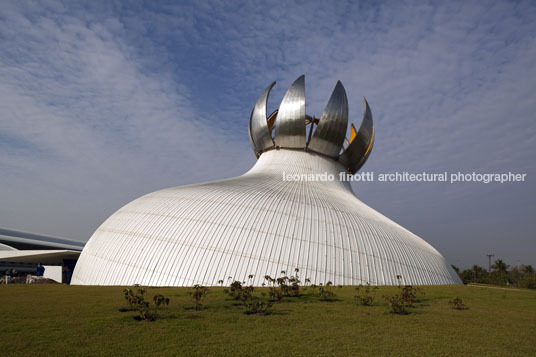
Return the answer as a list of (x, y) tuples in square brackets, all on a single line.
[(489, 262)]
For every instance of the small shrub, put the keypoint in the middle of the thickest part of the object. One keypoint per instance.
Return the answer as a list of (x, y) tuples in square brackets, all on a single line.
[(129, 297), (364, 295), (146, 310), (269, 279), (160, 299), (246, 294), (145, 313), (294, 284), (252, 304), (240, 292), (198, 294), (256, 307), (396, 304), (325, 293), (409, 294), (149, 312), (283, 286), (134, 298), (275, 294), (457, 304), (235, 290), (286, 286)]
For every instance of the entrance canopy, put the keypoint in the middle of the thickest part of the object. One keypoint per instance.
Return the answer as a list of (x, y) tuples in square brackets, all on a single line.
[(46, 257)]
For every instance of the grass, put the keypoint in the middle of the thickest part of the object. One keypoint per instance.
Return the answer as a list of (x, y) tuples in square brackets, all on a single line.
[(42, 320)]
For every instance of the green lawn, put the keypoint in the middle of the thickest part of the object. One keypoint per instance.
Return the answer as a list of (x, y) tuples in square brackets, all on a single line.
[(73, 320)]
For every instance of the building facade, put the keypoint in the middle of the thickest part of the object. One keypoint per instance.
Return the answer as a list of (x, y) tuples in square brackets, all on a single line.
[(291, 210)]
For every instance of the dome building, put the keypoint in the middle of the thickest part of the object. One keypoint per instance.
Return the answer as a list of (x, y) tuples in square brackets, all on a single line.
[(291, 210)]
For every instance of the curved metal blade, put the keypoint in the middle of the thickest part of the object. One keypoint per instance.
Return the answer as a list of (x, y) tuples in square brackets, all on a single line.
[(357, 153), (329, 135), (258, 126), (290, 122), (250, 139)]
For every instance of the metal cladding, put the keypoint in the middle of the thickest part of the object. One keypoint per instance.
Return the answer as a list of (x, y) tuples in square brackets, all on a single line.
[(329, 135), (260, 135), (273, 218), (258, 224), (328, 138), (290, 122), (359, 149)]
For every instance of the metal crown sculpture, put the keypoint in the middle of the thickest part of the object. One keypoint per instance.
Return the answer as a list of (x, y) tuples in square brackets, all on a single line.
[(329, 138)]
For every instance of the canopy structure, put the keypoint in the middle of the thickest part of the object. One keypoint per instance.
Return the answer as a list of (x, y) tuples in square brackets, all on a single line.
[(47, 257), (24, 240)]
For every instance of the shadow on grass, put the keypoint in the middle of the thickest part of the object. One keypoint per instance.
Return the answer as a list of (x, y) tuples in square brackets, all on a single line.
[(192, 308), (330, 300), (127, 309), (157, 318), (301, 298)]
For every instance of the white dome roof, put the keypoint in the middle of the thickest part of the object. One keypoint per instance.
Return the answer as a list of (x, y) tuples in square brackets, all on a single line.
[(258, 224)]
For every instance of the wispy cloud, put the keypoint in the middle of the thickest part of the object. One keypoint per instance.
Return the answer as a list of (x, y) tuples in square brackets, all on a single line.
[(82, 115)]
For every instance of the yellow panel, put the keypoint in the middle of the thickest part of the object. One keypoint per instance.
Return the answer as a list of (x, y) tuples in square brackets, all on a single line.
[(353, 133), (370, 143)]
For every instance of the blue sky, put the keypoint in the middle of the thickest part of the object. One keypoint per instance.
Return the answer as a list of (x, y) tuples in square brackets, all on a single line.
[(105, 101)]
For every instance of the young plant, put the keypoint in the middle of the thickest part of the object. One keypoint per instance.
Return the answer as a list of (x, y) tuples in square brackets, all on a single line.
[(286, 286), (149, 312), (246, 294), (269, 279), (365, 294), (134, 298), (198, 293), (295, 281), (275, 294), (457, 304), (325, 292), (313, 288), (240, 292), (160, 299), (409, 294), (235, 290), (256, 307), (396, 304), (146, 310), (399, 303), (129, 297)]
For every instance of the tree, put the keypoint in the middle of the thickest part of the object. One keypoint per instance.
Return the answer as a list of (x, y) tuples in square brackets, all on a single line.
[(479, 273), (500, 266), (467, 276), (527, 269)]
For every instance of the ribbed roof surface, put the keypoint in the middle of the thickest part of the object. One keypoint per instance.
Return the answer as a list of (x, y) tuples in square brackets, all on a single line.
[(258, 224)]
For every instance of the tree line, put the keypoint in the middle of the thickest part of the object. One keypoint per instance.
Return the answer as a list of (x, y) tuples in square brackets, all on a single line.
[(500, 273)]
